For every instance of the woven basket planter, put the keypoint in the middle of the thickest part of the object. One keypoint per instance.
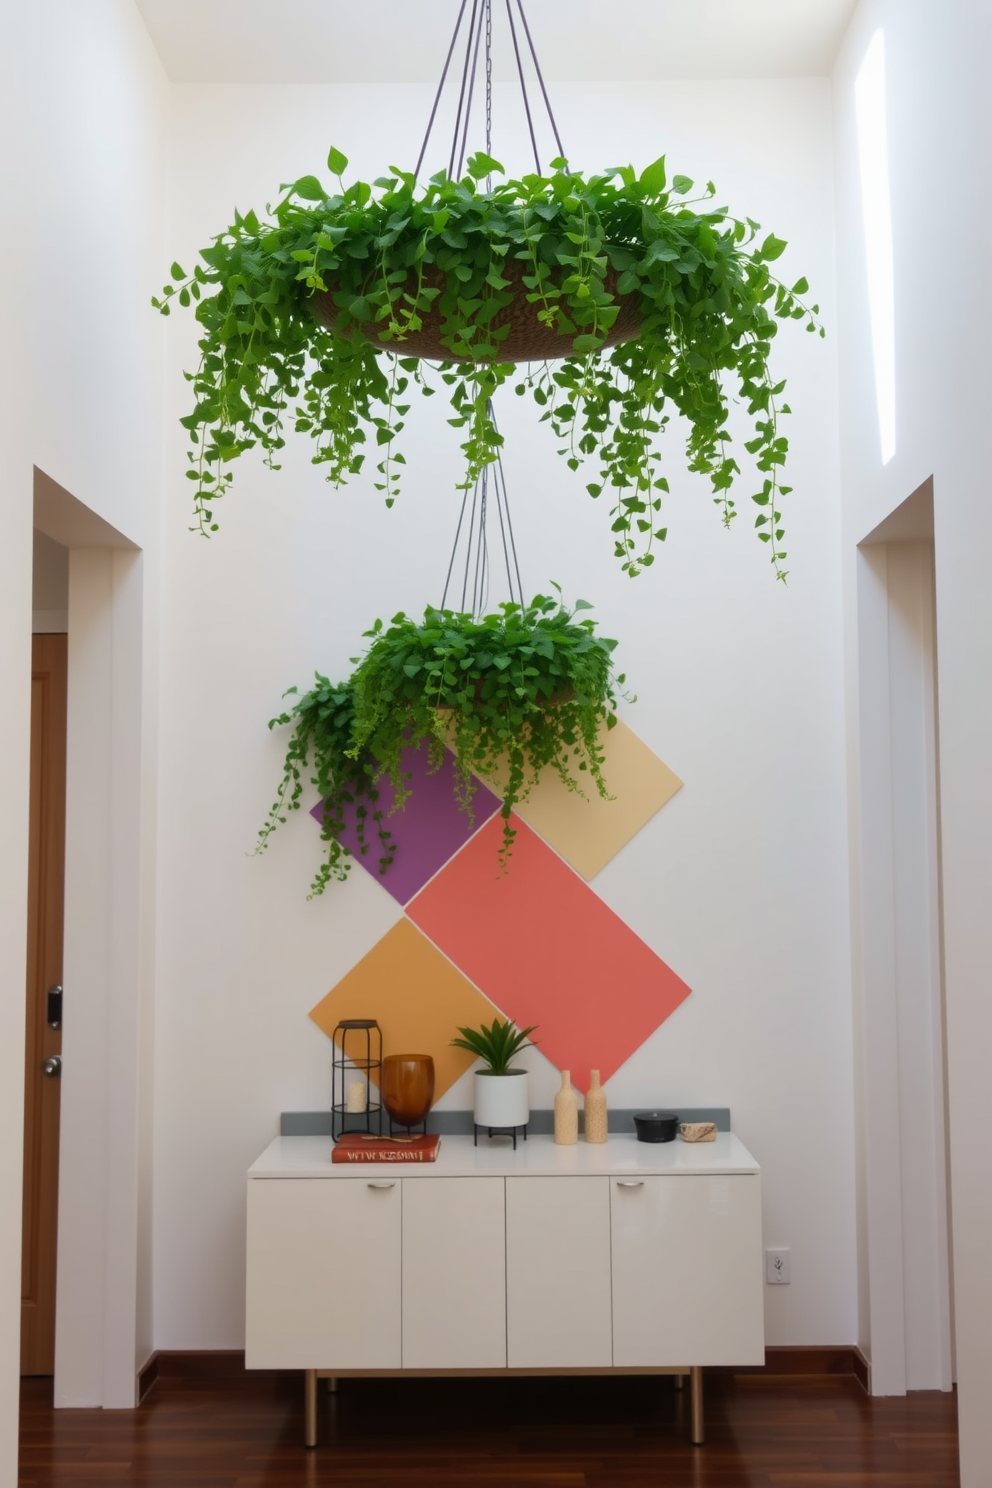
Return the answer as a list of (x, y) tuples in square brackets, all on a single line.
[(528, 340)]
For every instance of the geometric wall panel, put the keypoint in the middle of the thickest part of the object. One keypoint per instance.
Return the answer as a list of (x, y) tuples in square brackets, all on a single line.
[(426, 831), (545, 949), (534, 943), (589, 832), (417, 997)]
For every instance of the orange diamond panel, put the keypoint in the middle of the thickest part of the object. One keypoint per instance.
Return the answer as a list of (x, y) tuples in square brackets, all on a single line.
[(417, 997), (546, 949)]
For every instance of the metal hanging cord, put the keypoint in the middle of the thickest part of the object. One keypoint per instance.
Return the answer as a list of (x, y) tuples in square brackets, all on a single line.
[(477, 564), (490, 488), (480, 22)]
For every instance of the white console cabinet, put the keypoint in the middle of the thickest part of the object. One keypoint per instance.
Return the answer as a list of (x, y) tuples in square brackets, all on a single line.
[(622, 1257), (559, 1312)]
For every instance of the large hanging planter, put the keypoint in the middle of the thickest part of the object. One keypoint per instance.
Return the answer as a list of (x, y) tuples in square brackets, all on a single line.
[(323, 314), (528, 338), (518, 691)]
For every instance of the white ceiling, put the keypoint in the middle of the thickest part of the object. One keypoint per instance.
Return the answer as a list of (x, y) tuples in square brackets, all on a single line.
[(393, 41)]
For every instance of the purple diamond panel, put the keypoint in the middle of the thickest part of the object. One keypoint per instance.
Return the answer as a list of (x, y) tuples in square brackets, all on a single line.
[(428, 829)]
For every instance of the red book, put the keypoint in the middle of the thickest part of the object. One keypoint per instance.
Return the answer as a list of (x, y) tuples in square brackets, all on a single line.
[(362, 1147)]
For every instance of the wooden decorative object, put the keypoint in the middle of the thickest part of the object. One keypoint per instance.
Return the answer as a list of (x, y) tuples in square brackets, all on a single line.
[(407, 1087), (566, 1112), (595, 1110), (529, 340), (697, 1131)]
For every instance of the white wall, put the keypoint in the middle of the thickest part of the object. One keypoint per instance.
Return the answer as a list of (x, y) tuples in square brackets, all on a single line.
[(15, 681), (939, 129), (740, 883), (82, 100)]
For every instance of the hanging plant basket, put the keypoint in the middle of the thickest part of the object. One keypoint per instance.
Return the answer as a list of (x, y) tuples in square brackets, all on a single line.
[(527, 339), (644, 299), (518, 691), (624, 297)]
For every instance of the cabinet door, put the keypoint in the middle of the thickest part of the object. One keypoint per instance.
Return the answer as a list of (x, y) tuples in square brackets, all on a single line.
[(558, 1308), (454, 1274), (323, 1285), (687, 1270)]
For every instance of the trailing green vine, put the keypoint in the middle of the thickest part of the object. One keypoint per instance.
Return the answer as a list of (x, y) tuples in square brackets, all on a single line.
[(323, 720), (392, 252), (511, 694)]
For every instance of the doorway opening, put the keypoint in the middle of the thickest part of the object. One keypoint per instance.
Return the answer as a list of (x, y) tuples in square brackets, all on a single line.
[(901, 974), (102, 1310)]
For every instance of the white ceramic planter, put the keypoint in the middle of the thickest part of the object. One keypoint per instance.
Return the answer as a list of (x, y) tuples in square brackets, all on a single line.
[(501, 1100)]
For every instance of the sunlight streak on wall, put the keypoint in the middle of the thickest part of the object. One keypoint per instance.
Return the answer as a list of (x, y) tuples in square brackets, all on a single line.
[(873, 152)]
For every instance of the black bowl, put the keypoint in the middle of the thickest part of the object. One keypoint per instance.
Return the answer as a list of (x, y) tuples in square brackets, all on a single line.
[(656, 1126)]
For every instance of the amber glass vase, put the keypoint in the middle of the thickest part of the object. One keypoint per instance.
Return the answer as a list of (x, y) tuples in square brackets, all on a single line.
[(407, 1085)]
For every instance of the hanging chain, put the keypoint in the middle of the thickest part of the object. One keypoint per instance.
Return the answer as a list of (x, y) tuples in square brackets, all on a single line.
[(489, 78)]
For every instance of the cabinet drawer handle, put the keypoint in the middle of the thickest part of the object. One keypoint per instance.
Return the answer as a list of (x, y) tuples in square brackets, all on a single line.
[(382, 1185), (630, 1183)]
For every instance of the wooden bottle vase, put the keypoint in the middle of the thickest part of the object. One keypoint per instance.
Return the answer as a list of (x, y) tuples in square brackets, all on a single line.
[(595, 1110), (566, 1112)]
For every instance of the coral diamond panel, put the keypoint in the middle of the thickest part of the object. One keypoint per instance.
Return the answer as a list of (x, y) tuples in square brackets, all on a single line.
[(545, 949), (429, 828)]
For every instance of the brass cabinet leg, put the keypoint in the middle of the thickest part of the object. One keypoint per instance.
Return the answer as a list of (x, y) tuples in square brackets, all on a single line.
[(310, 1408), (696, 1386)]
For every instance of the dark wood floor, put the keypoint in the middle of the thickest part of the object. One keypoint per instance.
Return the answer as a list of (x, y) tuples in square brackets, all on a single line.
[(763, 1432)]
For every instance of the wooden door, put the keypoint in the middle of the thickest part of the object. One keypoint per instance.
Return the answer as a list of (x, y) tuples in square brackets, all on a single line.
[(46, 870)]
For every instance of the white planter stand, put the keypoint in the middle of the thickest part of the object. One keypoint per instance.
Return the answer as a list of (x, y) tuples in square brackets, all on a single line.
[(501, 1101)]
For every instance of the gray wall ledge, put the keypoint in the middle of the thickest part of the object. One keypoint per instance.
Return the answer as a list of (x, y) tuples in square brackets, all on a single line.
[(459, 1123)]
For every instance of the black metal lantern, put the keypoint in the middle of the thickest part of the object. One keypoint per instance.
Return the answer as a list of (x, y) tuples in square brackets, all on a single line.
[(356, 1063)]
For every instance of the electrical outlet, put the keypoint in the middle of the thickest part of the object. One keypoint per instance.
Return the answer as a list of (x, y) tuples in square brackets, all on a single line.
[(777, 1266)]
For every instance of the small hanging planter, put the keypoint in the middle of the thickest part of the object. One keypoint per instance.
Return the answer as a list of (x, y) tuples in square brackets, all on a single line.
[(513, 693)]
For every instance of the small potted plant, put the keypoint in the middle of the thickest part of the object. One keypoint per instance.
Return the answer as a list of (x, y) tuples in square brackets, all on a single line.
[(501, 1098)]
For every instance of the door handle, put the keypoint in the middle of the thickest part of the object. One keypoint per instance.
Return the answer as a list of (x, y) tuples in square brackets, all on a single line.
[(382, 1185), (51, 1066), (630, 1183)]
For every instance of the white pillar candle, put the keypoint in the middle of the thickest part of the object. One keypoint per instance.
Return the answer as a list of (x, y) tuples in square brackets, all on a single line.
[(355, 1099)]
